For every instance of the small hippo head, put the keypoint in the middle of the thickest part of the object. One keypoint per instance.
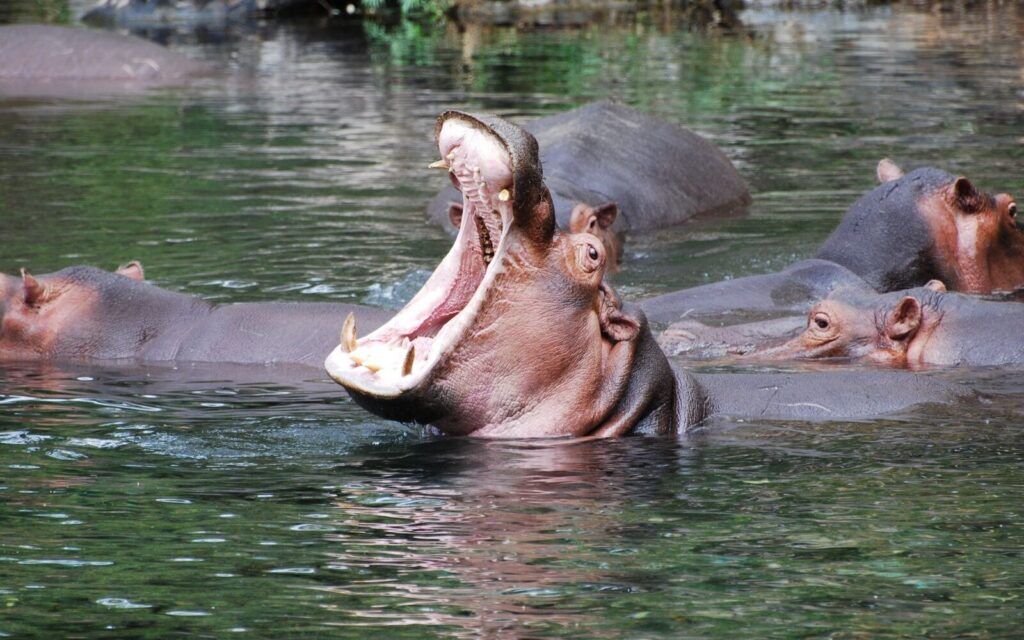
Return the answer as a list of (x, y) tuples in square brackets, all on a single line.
[(493, 343), (73, 313), (886, 329), (929, 224), (598, 221)]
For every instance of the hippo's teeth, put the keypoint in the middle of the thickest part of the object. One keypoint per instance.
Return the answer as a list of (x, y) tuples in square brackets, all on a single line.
[(410, 357), (348, 333), (440, 164), (486, 246), (450, 156), (504, 195)]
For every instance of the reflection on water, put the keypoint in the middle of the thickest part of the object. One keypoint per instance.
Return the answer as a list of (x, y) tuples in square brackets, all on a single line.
[(159, 501)]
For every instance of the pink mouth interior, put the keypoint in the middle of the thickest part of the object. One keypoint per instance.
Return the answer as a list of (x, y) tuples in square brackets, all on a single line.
[(479, 167)]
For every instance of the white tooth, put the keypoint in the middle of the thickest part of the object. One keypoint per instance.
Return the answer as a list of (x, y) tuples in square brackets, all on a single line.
[(439, 164), (348, 333), (451, 155), (504, 195)]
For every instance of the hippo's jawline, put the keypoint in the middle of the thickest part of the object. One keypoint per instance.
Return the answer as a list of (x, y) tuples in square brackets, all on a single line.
[(400, 355)]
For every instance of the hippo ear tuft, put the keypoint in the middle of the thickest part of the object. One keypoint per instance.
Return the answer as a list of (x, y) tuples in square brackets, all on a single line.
[(888, 171), (34, 290), (606, 214), (903, 320), (455, 214), (132, 270)]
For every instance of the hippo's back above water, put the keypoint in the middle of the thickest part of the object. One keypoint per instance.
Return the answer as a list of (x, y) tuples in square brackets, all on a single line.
[(45, 53), (658, 173)]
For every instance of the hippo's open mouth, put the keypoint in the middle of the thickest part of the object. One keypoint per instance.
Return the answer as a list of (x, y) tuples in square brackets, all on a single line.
[(401, 354)]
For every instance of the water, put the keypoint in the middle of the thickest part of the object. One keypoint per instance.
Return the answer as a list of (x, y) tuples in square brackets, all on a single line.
[(263, 503)]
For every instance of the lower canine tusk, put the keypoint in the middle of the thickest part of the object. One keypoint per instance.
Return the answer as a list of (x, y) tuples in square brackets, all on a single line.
[(439, 164), (348, 333)]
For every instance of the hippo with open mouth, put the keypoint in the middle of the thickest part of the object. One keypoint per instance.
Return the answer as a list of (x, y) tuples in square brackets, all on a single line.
[(516, 334)]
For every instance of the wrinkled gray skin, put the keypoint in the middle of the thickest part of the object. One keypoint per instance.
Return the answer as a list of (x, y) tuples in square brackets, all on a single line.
[(969, 331), (88, 314), (50, 58), (659, 174), (792, 290)]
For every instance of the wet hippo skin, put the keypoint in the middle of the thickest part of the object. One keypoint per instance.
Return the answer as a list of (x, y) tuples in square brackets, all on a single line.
[(658, 174), (516, 334), (83, 314), (921, 327)]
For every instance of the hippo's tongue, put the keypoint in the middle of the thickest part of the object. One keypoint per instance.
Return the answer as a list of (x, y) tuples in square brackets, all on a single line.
[(400, 354)]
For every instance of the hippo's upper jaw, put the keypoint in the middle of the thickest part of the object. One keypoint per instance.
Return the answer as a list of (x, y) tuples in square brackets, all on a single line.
[(495, 173)]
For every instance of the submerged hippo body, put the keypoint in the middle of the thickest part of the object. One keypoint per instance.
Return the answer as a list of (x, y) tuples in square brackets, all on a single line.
[(516, 335), (657, 173), (791, 290), (87, 314), (51, 56), (911, 229)]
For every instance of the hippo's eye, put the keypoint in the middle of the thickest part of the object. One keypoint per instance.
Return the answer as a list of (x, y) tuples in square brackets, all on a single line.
[(821, 321), (1012, 209), (592, 252)]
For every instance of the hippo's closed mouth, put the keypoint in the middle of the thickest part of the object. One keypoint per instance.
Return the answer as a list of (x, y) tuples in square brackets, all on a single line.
[(400, 355)]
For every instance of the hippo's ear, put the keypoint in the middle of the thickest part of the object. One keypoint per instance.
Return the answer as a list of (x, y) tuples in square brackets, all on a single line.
[(132, 270), (965, 197), (35, 292), (606, 214), (616, 325), (903, 321), (888, 171), (619, 327), (455, 214)]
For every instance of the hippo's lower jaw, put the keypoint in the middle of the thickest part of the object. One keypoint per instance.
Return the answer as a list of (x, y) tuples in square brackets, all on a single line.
[(401, 355)]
